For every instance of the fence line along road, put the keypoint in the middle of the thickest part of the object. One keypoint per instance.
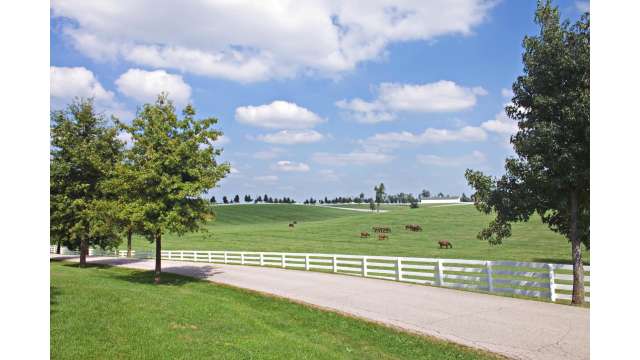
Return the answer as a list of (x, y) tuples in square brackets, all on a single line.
[(549, 281)]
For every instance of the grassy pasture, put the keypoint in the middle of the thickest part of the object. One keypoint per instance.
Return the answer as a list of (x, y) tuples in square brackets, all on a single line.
[(326, 230), (116, 313)]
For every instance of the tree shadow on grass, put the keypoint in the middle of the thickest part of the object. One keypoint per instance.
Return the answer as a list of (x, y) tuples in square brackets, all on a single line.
[(54, 293), (178, 275)]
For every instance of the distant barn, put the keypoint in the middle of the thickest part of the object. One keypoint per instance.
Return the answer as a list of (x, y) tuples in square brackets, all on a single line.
[(441, 200)]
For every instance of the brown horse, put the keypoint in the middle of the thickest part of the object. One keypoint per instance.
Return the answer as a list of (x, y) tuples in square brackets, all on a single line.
[(364, 234), (291, 225), (413, 227), (383, 237), (445, 244)]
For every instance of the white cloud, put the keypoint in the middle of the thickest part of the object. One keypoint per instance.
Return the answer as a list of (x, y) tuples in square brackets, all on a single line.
[(290, 137), (223, 38), (352, 158), (502, 124), (428, 136), (506, 93), (145, 86), (475, 157), (439, 96), (268, 154), (222, 140), (278, 115), (290, 166), (70, 82), (365, 112), (67, 83), (266, 178)]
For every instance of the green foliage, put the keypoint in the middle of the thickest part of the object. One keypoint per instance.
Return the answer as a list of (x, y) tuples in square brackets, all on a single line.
[(84, 154), (170, 165), (414, 205)]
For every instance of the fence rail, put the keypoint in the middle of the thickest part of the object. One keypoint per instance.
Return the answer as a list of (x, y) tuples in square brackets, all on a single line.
[(540, 280)]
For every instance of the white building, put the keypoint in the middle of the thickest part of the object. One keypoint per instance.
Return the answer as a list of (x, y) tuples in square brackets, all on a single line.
[(440, 200)]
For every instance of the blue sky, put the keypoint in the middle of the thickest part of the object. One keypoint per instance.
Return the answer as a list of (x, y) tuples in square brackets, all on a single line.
[(318, 98)]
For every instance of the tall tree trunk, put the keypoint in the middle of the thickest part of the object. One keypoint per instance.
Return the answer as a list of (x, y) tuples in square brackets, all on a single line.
[(58, 247), (158, 257), (129, 233), (83, 253), (577, 297)]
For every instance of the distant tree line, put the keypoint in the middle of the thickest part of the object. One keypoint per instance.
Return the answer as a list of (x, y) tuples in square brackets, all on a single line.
[(400, 198), (249, 199)]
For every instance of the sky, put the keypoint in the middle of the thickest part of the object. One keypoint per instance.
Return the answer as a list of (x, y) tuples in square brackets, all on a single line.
[(316, 97)]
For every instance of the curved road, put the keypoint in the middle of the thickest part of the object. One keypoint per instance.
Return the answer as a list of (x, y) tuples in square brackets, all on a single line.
[(517, 328)]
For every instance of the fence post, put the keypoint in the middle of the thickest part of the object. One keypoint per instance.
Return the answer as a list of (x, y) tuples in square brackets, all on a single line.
[(439, 273), (552, 283), (181, 255), (225, 257), (242, 258), (398, 269), (209, 256), (364, 266), (284, 260), (306, 262), (195, 255), (490, 276), (261, 259), (335, 264)]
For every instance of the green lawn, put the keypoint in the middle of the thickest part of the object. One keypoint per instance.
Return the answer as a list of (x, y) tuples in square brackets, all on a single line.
[(115, 313), (326, 230)]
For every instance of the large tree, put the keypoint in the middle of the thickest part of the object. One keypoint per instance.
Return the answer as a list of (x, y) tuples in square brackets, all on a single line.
[(84, 153), (550, 175), (174, 164), (380, 193)]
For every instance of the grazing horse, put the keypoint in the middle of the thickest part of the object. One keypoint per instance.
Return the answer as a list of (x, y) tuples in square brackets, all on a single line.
[(364, 234), (381, 229), (413, 227), (383, 237), (445, 244), (291, 225)]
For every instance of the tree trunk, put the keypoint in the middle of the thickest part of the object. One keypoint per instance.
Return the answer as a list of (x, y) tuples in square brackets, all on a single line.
[(129, 233), (58, 247), (83, 253), (158, 257), (577, 297)]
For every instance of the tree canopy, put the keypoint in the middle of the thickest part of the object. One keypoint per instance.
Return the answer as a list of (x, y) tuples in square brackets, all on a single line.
[(84, 154), (173, 164)]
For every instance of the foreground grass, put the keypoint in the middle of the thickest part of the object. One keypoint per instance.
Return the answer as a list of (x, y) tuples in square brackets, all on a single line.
[(326, 230), (105, 313)]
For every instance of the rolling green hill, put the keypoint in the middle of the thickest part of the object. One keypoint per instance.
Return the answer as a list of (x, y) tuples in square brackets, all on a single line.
[(327, 230)]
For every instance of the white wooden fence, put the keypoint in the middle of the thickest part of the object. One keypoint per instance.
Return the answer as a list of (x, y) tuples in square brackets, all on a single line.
[(540, 280)]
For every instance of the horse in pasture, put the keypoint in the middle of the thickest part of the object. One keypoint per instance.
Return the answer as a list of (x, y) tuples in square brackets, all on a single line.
[(383, 237), (291, 225), (413, 227), (364, 234), (445, 244)]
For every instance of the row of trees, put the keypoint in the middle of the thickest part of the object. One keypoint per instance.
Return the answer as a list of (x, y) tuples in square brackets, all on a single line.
[(249, 199), (102, 189), (400, 198)]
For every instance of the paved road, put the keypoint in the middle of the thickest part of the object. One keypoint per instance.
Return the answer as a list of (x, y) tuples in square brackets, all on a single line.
[(521, 329)]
